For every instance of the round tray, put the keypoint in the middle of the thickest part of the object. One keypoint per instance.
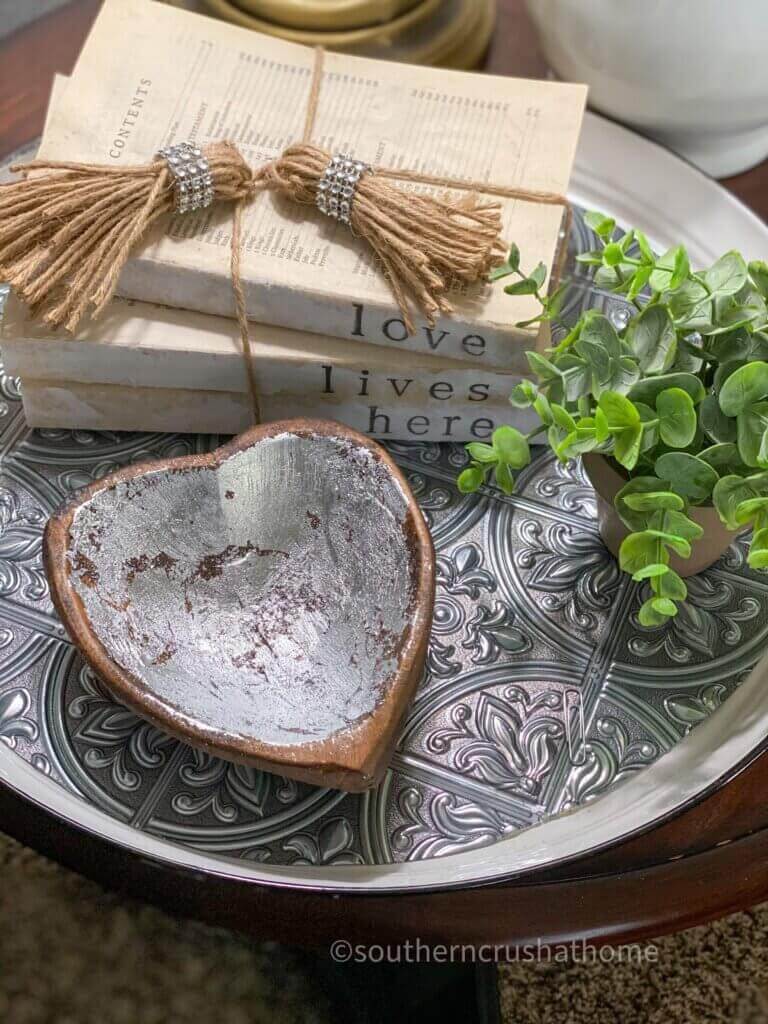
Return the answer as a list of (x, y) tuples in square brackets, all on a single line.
[(542, 692)]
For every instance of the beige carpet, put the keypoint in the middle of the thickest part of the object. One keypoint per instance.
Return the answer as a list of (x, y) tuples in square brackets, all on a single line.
[(718, 972), (71, 953)]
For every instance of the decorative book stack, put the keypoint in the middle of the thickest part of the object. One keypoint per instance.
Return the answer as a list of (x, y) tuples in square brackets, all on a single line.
[(328, 338)]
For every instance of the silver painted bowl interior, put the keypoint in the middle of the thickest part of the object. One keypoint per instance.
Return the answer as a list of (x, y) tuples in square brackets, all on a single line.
[(264, 597)]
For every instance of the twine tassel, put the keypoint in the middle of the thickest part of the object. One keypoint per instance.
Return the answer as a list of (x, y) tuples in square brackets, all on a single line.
[(67, 229), (424, 243)]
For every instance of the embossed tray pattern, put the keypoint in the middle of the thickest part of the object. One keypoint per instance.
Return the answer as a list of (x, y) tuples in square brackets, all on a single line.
[(541, 689)]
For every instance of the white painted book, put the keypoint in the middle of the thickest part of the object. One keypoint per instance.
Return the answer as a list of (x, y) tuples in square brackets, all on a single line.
[(151, 75), (146, 367)]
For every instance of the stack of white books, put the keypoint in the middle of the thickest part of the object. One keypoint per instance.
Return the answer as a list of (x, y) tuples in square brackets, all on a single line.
[(328, 339)]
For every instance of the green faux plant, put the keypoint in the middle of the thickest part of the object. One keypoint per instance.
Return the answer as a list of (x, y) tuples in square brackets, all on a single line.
[(676, 397)]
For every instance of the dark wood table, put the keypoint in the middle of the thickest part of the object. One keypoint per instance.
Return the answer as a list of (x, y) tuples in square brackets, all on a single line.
[(709, 860)]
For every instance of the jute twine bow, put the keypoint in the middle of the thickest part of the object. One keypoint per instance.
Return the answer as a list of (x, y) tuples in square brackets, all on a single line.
[(67, 231)]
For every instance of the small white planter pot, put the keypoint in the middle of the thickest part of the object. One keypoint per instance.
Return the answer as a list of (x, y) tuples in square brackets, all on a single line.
[(691, 73)]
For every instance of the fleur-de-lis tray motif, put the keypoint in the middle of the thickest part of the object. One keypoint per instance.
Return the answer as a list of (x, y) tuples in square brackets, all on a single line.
[(541, 690)]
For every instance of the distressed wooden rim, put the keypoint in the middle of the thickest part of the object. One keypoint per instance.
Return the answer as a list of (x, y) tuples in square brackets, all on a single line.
[(343, 762)]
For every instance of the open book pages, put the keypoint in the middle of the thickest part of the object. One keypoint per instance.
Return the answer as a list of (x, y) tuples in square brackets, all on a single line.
[(151, 75), (146, 367)]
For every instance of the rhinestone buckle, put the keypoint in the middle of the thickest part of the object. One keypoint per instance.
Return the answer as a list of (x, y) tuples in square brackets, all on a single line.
[(193, 181), (338, 185)]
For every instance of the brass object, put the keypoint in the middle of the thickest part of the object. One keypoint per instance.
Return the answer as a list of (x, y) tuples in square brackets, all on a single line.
[(451, 33)]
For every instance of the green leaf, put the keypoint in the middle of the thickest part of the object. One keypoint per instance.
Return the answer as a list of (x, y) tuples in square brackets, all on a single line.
[(752, 435), (619, 412), (602, 432), (690, 477), (523, 394), (538, 275), (652, 500), (554, 303), (626, 240), (652, 339), (758, 271), (510, 266), (681, 525), (579, 441), (542, 367), (470, 479), (677, 417), (758, 550), (689, 357), (624, 374), (743, 387), (723, 372), (544, 410), (689, 304), (650, 388), (511, 447), (626, 446), (715, 423), (637, 485), (681, 270), (728, 275), (482, 452), (562, 417), (666, 266), (652, 571), (625, 426), (504, 478), (639, 281), (602, 226), (639, 550), (615, 278), (650, 422), (731, 320), (678, 544), (600, 346), (663, 606), (502, 270), (575, 376), (751, 507), (739, 346), (648, 616), (724, 459), (645, 250), (527, 286), (730, 491), (672, 586), (593, 258), (555, 439), (612, 254)]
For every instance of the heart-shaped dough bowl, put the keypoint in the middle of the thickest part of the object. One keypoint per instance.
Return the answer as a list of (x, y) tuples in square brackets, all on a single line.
[(269, 602)]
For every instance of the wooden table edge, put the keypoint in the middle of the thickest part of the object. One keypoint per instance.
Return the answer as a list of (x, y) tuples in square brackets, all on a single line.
[(616, 908)]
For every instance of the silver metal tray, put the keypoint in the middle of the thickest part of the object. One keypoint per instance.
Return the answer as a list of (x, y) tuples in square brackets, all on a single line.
[(542, 691)]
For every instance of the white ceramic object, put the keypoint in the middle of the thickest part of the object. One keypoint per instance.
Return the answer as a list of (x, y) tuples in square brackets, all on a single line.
[(691, 73), (641, 185)]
